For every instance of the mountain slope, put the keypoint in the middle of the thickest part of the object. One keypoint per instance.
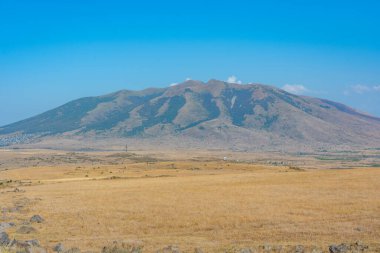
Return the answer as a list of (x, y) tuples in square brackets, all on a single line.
[(230, 114)]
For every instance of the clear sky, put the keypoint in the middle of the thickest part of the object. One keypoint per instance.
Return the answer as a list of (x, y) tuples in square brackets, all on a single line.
[(55, 51)]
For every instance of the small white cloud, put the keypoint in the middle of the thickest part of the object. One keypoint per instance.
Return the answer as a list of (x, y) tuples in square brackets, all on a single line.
[(188, 79), (233, 79), (360, 89), (297, 89), (173, 84)]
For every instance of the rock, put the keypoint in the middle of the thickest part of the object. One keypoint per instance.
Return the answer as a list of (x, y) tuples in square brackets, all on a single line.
[(359, 246), (26, 230), (35, 249), (59, 247), (4, 239), (5, 225), (33, 242), (245, 250), (299, 249), (267, 248), (341, 248), (170, 249), (36, 218), (122, 247), (316, 250), (73, 250), (12, 243), (136, 250), (20, 244), (29, 246)]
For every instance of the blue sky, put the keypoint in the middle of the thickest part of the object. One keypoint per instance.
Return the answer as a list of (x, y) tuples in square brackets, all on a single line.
[(55, 51)]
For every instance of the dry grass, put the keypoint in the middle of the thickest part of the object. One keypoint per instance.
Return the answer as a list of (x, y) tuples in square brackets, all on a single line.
[(210, 204)]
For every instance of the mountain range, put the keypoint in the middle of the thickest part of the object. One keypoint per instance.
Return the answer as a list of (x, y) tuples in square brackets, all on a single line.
[(212, 114)]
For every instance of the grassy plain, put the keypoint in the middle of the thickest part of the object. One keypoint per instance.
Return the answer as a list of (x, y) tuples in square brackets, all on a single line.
[(89, 200)]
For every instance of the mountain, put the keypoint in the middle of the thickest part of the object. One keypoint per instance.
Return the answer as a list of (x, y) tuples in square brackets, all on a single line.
[(212, 114)]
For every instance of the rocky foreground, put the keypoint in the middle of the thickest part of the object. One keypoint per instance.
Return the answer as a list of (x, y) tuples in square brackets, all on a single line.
[(8, 245), (33, 246)]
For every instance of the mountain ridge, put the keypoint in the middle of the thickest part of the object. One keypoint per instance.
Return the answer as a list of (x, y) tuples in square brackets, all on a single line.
[(250, 114)]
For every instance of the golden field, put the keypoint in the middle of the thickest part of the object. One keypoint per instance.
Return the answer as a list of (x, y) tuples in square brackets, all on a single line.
[(207, 203)]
